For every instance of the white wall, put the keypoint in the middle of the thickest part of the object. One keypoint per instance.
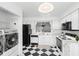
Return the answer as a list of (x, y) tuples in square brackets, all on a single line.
[(55, 22), (55, 25)]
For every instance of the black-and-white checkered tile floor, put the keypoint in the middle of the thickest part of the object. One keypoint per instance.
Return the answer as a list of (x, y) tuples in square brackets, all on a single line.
[(35, 51)]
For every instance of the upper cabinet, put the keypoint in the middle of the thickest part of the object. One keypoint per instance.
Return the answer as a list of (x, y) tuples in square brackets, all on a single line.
[(72, 17), (75, 20), (69, 18)]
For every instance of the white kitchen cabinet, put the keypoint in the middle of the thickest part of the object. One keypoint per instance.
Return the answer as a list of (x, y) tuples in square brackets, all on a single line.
[(69, 18), (74, 49), (45, 39), (74, 18), (34, 40), (68, 47)]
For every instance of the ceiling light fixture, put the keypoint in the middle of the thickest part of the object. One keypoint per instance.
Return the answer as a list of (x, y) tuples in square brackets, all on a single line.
[(46, 7)]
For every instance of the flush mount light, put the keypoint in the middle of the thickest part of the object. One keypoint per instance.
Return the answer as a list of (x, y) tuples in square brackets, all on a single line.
[(46, 7)]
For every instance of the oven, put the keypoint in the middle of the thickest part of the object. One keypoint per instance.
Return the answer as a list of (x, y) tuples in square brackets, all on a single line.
[(11, 40), (59, 43), (8, 40)]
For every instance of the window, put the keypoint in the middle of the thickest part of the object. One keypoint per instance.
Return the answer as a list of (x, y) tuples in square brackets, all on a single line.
[(43, 27)]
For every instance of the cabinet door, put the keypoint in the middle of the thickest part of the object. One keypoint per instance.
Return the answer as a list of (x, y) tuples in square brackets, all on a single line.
[(69, 18), (44, 40), (41, 40), (74, 49), (73, 17), (75, 23), (66, 48)]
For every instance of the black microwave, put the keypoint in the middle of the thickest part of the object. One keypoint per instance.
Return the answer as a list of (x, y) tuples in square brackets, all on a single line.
[(67, 26)]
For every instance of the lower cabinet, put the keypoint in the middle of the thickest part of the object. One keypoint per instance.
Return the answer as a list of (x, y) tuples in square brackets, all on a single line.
[(45, 40), (74, 49), (70, 48), (65, 48)]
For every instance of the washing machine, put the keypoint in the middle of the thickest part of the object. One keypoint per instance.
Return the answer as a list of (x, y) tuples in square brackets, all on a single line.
[(11, 40)]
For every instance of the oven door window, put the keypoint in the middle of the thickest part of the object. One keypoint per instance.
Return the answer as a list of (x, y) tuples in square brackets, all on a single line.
[(11, 41)]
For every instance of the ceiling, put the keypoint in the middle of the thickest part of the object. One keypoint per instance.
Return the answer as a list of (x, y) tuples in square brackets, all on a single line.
[(30, 9)]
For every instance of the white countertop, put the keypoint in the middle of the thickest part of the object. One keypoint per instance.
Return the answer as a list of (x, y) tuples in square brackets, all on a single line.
[(73, 40)]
